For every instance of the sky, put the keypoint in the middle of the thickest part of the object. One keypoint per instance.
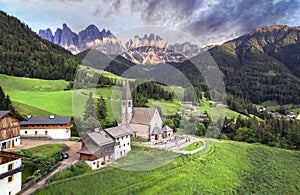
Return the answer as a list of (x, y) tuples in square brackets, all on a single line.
[(207, 21)]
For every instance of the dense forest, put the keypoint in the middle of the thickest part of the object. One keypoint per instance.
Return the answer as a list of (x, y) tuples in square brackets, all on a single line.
[(144, 90), (24, 53)]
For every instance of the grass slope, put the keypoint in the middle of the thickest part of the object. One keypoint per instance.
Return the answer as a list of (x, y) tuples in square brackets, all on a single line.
[(228, 167)]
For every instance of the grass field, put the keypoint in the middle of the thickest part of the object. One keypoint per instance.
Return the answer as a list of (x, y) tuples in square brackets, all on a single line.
[(227, 167)]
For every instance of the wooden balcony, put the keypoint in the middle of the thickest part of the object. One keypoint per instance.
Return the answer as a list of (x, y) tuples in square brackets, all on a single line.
[(11, 172)]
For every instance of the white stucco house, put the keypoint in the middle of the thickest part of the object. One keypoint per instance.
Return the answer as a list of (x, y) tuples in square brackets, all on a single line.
[(53, 127), (10, 173), (105, 146)]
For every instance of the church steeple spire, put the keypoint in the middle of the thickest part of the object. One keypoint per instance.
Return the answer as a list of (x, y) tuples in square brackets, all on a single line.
[(126, 91), (126, 105)]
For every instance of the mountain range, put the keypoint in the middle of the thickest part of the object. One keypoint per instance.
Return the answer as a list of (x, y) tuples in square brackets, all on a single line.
[(150, 49), (261, 65)]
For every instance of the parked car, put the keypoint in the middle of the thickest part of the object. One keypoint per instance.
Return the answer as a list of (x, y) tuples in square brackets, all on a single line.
[(63, 155)]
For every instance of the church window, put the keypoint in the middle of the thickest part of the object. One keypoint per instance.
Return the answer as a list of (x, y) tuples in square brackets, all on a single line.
[(129, 104)]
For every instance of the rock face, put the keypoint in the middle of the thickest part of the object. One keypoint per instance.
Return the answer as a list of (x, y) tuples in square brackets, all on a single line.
[(150, 49), (153, 49), (46, 34), (89, 38)]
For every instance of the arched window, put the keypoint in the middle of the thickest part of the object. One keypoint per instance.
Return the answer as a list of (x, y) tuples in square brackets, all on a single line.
[(129, 103)]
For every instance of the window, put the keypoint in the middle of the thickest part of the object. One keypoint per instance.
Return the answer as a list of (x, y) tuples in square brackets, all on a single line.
[(16, 139), (128, 143), (46, 132), (126, 136), (35, 133), (9, 193), (10, 166), (25, 132), (10, 178), (124, 145), (129, 104)]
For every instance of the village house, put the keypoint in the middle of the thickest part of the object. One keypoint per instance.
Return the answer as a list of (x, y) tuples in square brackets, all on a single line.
[(105, 146), (51, 127), (10, 173), (9, 129), (145, 123)]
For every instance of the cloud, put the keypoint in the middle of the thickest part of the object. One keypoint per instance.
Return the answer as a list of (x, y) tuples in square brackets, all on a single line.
[(207, 20)]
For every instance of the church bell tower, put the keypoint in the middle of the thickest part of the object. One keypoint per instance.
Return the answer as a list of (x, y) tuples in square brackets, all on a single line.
[(126, 105)]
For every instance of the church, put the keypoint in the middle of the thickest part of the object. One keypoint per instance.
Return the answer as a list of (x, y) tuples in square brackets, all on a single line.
[(145, 123)]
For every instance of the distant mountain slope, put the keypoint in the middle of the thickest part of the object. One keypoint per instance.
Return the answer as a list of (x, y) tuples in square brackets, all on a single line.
[(24, 53), (96, 59), (263, 64)]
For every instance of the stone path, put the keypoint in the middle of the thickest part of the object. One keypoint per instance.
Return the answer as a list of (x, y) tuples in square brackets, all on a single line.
[(172, 146)]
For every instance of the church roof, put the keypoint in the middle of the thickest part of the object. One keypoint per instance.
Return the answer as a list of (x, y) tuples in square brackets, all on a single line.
[(126, 92), (167, 128), (157, 130), (118, 131), (142, 115)]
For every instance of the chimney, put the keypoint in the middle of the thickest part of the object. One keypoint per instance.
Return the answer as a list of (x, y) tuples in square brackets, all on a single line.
[(52, 116), (97, 130), (29, 116)]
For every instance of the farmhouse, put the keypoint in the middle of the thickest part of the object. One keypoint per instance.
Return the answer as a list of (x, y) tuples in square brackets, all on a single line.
[(145, 123), (10, 173), (9, 129), (52, 127), (102, 147)]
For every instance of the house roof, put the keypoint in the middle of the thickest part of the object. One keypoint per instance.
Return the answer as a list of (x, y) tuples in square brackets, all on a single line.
[(57, 120), (89, 149), (126, 92), (167, 128), (101, 138), (157, 130), (6, 157), (142, 115), (4, 113), (118, 131)]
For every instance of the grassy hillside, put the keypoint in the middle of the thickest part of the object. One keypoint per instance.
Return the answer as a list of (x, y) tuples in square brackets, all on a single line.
[(42, 97), (225, 168)]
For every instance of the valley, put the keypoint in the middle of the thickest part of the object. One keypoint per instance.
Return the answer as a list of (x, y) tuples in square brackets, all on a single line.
[(82, 112)]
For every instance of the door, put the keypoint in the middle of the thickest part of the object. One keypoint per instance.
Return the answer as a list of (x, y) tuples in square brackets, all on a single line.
[(97, 164), (13, 143)]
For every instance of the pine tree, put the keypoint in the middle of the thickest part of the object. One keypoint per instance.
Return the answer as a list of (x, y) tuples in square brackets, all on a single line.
[(89, 108), (101, 108)]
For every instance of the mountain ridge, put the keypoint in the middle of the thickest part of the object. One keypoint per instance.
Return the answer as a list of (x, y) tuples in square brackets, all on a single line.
[(150, 48)]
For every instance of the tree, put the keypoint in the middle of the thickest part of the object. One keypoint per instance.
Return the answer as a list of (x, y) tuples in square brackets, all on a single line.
[(89, 108), (201, 130), (212, 132), (101, 108)]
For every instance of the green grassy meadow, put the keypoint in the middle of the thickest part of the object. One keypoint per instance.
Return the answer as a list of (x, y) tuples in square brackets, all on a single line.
[(193, 146), (224, 167), (43, 97)]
